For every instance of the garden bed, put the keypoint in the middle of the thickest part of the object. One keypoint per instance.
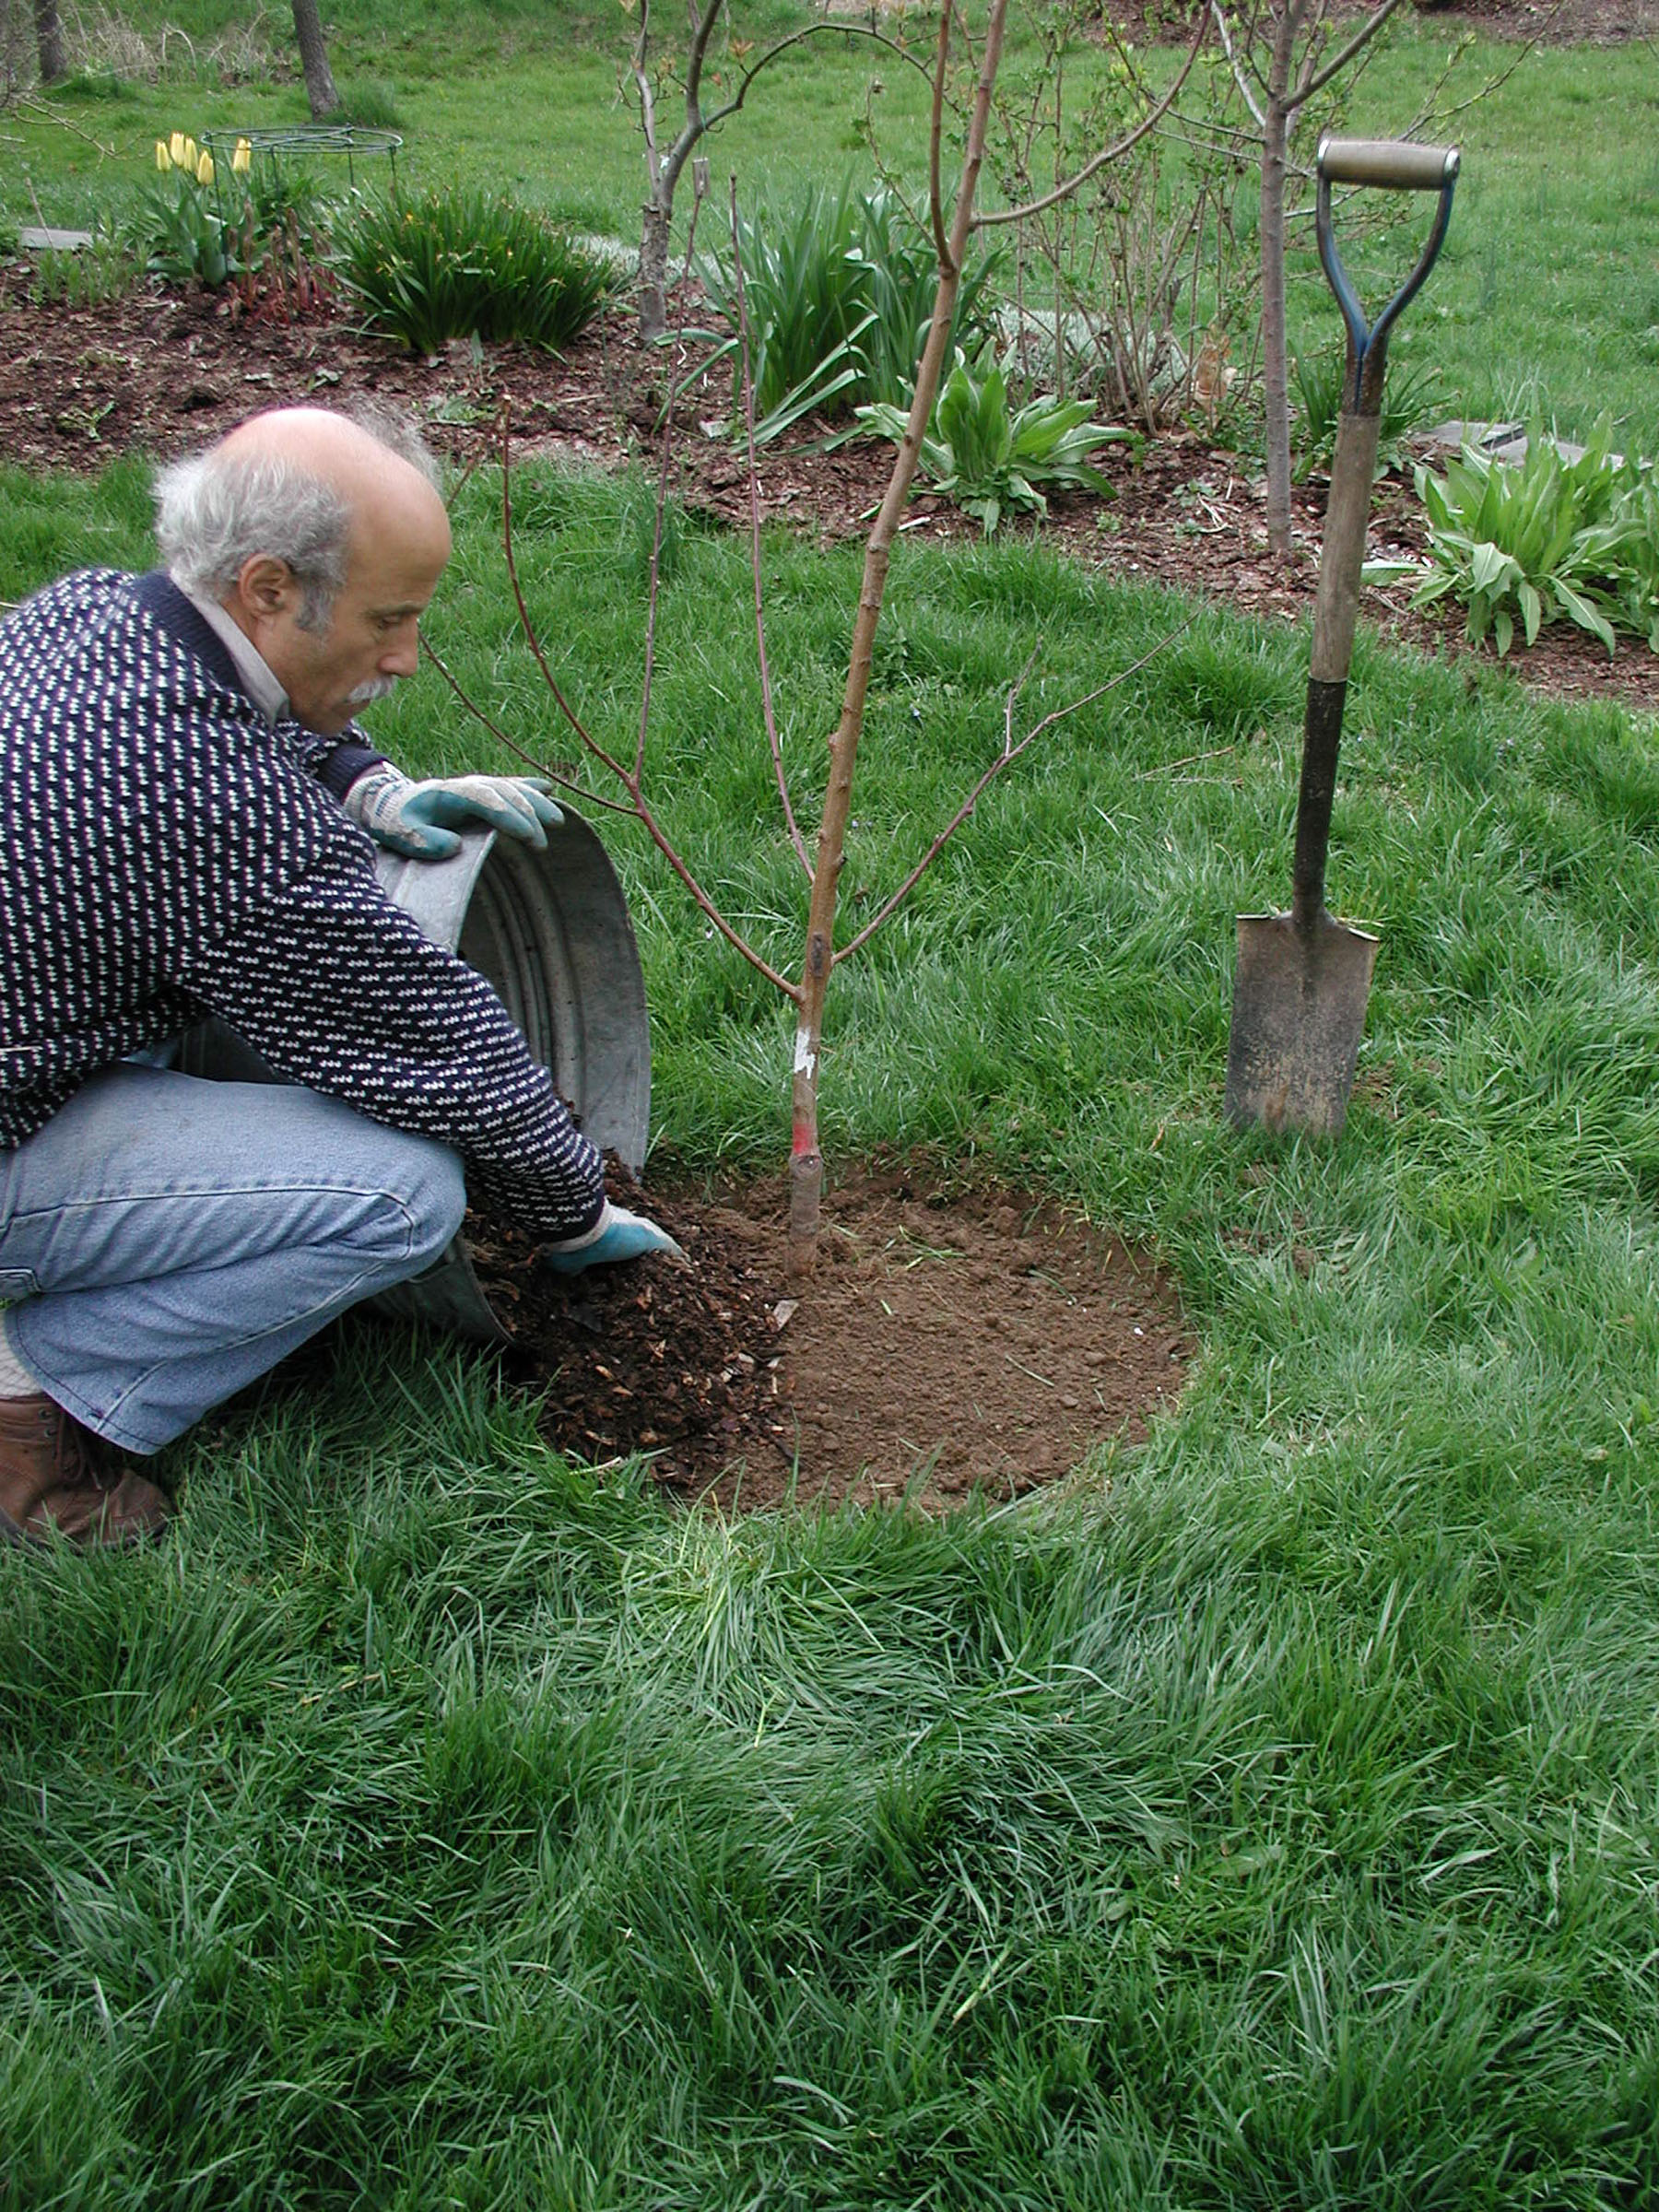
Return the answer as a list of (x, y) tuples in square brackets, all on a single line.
[(163, 373)]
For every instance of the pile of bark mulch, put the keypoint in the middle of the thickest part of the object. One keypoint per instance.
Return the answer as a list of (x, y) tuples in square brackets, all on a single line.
[(955, 1339)]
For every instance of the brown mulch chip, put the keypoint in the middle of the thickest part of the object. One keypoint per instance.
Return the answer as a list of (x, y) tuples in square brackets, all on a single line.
[(955, 1339)]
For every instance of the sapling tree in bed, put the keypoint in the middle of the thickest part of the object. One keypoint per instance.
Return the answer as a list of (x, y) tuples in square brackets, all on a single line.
[(821, 864)]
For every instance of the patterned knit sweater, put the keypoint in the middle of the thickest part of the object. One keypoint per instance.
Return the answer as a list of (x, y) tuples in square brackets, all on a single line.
[(165, 853)]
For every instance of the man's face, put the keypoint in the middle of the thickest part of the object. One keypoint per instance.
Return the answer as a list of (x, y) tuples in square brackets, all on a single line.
[(372, 638)]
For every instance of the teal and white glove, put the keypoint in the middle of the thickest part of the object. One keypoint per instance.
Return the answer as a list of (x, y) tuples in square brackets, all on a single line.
[(617, 1235), (421, 819)]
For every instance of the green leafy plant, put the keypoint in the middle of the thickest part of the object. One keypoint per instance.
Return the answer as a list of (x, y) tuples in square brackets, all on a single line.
[(988, 458), (182, 237), (1552, 537), (212, 221), (1410, 399), (273, 195), (102, 271), (1636, 583), (838, 296), (453, 263)]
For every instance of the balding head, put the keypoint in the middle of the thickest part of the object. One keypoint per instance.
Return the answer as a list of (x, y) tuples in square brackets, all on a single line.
[(323, 539), (295, 485)]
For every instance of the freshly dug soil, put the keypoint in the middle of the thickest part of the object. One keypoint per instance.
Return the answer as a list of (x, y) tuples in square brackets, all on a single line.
[(955, 1339)]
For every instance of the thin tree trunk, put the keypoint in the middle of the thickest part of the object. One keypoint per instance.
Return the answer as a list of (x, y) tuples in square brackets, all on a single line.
[(314, 59), (653, 272), (807, 1160), (1276, 361), (49, 37), (1276, 355)]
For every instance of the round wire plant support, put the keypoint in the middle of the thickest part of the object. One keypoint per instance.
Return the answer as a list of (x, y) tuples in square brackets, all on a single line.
[(351, 139)]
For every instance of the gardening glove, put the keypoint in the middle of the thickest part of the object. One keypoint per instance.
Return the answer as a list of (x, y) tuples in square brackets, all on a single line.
[(617, 1235), (421, 819)]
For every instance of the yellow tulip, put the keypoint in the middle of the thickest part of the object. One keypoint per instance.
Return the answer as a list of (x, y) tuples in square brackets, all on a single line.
[(190, 154), (241, 161), (163, 158), (175, 149), (204, 168)]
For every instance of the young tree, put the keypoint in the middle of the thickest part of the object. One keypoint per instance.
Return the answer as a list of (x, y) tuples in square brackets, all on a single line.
[(314, 59), (664, 166), (951, 230), (1282, 59)]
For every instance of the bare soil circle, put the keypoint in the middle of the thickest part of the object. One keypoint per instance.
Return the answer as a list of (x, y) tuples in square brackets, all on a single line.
[(955, 1339)]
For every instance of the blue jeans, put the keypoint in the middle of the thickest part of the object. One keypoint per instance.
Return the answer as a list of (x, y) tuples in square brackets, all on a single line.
[(168, 1239)]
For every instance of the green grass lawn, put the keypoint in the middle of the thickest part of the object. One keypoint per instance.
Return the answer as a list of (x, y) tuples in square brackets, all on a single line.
[(1546, 302), (1269, 1820)]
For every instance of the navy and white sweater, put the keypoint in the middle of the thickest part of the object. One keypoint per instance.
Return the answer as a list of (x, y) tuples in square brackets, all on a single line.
[(165, 852)]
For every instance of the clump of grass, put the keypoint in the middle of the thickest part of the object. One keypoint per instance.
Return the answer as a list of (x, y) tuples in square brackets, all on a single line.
[(838, 292), (105, 270), (456, 264), (371, 103)]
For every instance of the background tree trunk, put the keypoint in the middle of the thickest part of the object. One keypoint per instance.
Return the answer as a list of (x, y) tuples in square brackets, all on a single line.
[(654, 265), (49, 37), (314, 59), (1276, 352), (1275, 361)]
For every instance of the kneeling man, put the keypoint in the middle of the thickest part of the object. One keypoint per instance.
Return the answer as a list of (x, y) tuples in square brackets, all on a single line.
[(187, 820)]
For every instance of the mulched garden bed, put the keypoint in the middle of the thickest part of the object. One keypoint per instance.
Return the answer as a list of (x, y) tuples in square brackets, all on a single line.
[(166, 372)]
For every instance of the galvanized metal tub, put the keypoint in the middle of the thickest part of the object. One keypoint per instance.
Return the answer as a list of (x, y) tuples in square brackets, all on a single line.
[(551, 931)]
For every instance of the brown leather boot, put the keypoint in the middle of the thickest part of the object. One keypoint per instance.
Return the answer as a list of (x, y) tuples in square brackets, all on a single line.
[(51, 1478)]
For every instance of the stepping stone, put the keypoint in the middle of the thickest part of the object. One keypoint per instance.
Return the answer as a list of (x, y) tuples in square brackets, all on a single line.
[(37, 241)]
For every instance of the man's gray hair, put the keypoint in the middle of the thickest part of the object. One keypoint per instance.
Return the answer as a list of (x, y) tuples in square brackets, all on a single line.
[(215, 512)]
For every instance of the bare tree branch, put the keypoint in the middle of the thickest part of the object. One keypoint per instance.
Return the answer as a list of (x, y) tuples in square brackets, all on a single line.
[(1010, 752), (540, 768), (1340, 60), (701, 183), (630, 783), (936, 134), (1107, 154), (1219, 14), (812, 30)]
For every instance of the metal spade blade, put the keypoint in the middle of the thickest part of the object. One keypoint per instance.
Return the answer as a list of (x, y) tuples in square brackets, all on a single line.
[(1298, 1014)]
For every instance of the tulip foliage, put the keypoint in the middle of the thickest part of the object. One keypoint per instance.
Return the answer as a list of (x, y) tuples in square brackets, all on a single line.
[(215, 223)]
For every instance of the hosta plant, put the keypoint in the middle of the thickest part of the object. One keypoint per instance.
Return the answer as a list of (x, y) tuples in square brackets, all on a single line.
[(1549, 538), (989, 459)]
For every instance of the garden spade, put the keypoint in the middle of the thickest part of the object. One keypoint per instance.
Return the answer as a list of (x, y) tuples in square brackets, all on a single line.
[(1302, 977)]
